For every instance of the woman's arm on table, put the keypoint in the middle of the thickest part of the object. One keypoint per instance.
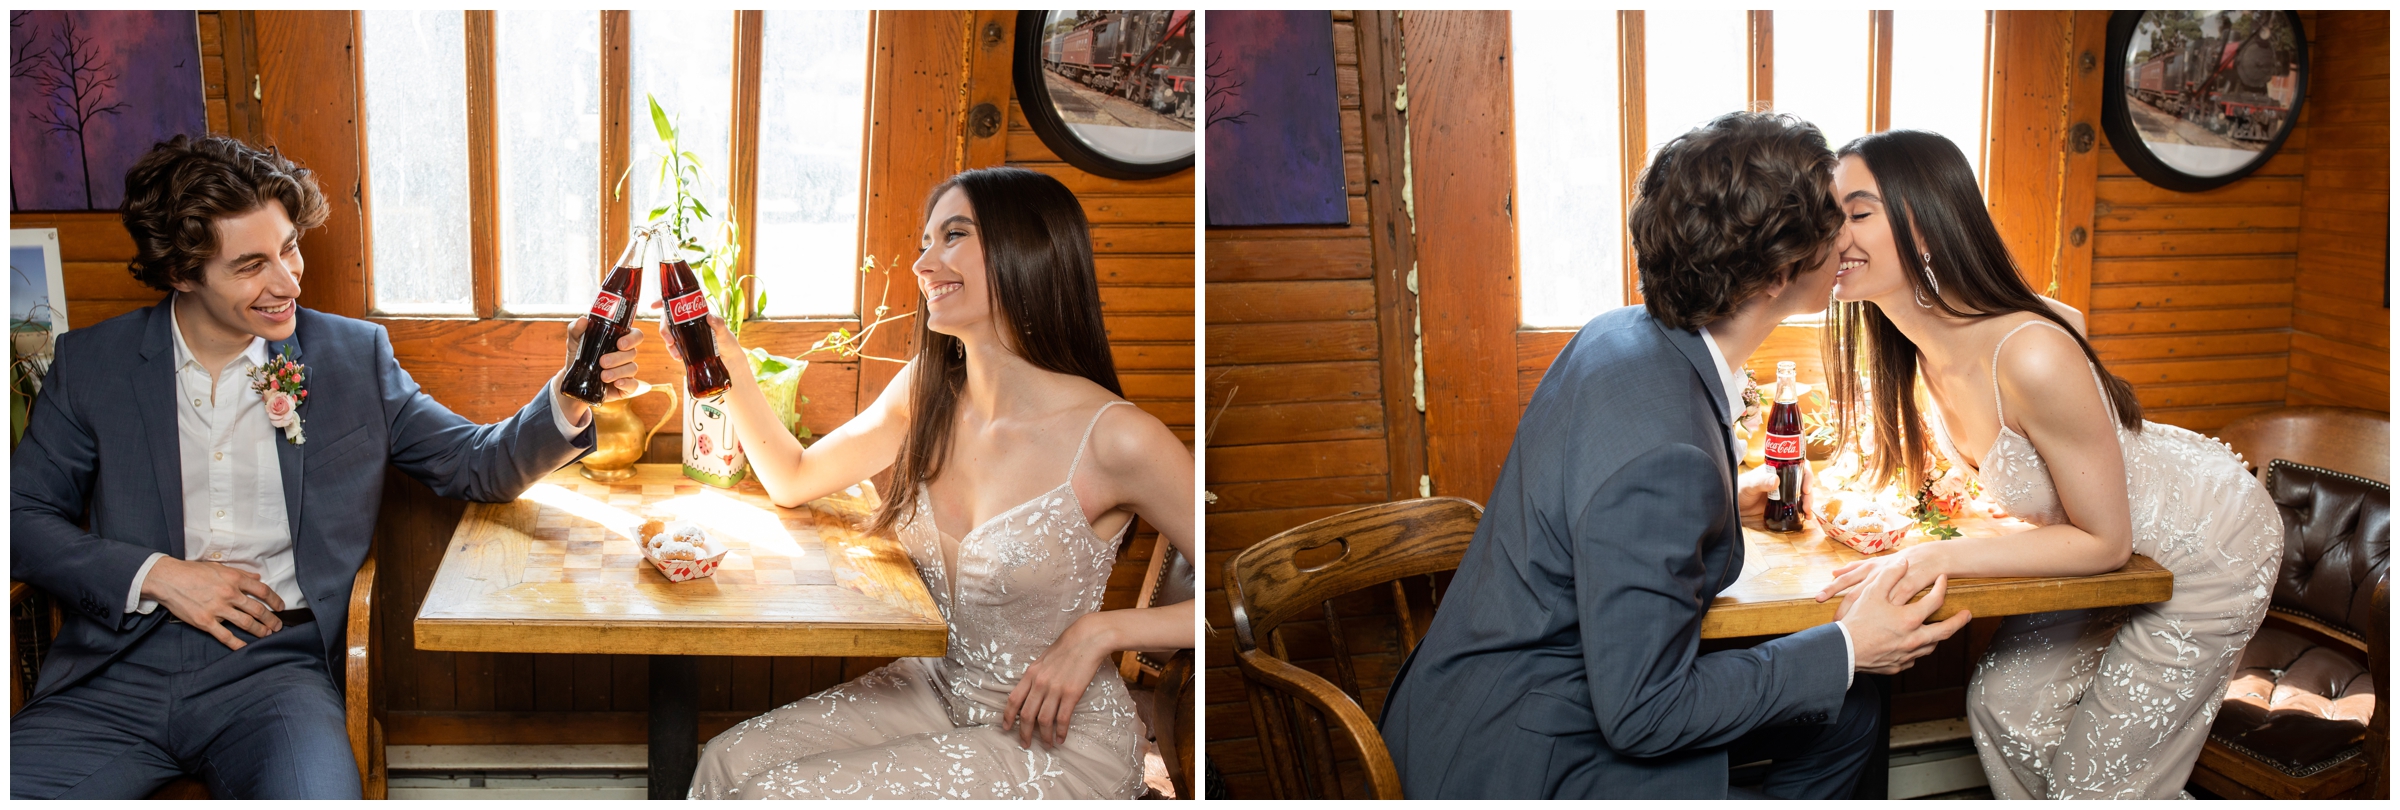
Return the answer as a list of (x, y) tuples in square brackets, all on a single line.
[(2048, 386)]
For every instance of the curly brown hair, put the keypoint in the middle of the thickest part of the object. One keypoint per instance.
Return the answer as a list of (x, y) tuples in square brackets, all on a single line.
[(177, 192), (1727, 210)]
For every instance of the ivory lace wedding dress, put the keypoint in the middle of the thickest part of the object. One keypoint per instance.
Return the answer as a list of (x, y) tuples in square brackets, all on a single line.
[(2115, 703), (929, 728)]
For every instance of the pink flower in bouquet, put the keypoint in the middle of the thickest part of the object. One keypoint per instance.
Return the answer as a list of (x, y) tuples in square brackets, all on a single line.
[(280, 408), (1951, 492)]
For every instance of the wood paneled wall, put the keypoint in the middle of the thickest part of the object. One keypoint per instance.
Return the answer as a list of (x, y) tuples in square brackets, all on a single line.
[(2192, 293), (1310, 400), (485, 370), (2341, 332)]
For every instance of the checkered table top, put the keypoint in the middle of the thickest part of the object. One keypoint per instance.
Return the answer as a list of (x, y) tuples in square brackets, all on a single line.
[(558, 570)]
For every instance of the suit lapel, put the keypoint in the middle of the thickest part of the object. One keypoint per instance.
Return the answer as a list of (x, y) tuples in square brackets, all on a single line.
[(154, 398), (291, 457), (1695, 352)]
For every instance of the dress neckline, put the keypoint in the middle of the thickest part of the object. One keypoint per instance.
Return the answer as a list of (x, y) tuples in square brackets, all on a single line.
[(948, 554)]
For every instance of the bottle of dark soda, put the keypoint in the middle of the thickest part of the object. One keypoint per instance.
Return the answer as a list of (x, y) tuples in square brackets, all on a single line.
[(687, 313), (612, 315), (1785, 452)]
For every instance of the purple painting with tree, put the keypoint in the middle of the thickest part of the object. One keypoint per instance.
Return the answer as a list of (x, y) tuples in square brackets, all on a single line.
[(1274, 121), (88, 93)]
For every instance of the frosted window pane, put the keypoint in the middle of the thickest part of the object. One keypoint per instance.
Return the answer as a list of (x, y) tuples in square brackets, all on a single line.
[(415, 66), (548, 76), (1821, 71), (685, 58), (1693, 70), (1938, 76), (1570, 190), (813, 82)]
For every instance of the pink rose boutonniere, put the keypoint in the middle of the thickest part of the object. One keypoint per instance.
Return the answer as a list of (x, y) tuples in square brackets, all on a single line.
[(281, 381)]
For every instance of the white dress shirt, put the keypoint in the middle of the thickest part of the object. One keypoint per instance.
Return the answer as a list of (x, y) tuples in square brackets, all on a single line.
[(233, 508), (1733, 411)]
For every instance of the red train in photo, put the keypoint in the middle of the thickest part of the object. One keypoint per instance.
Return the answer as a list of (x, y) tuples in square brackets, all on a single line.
[(1140, 56), (2236, 86)]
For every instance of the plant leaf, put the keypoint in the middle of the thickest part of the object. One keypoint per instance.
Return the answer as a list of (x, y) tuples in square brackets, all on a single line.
[(658, 118)]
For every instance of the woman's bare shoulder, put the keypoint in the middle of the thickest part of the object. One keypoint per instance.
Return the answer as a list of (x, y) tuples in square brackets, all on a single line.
[(2042, 364), (1128, 438)]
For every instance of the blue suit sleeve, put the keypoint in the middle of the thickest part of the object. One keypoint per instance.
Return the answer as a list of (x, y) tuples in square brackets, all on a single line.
[(1642, 588), (457, 458), (51, 472)]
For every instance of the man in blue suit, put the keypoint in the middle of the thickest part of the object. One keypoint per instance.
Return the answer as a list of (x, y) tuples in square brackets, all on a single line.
[(1565, 660), (153, 474)]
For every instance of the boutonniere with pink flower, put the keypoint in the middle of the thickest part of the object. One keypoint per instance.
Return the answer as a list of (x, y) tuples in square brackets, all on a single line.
[(282, 381)]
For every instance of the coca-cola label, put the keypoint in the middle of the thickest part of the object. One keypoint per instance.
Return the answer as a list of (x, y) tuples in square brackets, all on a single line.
[(1783, 447), (608, 307), (688, 307)]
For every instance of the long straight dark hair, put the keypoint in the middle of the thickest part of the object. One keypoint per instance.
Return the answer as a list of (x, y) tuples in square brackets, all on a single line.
[(1037, 253), (1926, 181)]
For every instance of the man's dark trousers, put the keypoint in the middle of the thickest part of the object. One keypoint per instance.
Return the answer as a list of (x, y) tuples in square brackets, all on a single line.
[(1816, 760), (262, 722)]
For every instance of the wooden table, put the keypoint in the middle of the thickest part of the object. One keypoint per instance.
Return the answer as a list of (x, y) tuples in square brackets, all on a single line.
[(557, 571), (1781, 574)]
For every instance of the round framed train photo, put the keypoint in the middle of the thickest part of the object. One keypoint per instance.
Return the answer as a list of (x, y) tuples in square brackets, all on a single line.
[(1113, 93), (2194, 100)]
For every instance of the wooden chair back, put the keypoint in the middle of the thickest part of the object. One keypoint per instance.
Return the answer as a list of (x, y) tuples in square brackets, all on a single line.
[(1304, 569), (2350, 440), (1169, 579)]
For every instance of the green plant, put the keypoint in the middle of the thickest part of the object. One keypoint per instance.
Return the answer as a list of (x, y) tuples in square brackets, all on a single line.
[(1817, 425), (683, 218), (1930, 517), (779, 377)]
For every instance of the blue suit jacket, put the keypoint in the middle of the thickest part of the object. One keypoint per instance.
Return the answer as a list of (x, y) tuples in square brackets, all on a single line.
[(101, 445), (1564, 662)]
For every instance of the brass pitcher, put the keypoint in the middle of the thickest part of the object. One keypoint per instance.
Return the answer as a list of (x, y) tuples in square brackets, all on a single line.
[(621, 440)]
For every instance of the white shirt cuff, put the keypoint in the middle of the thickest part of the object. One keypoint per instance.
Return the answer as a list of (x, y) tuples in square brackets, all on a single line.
[(1850, 652), (134, 603), (558, 411)]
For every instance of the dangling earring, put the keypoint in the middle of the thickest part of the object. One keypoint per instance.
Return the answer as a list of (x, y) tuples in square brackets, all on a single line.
[(1929, 282), (959, 348)]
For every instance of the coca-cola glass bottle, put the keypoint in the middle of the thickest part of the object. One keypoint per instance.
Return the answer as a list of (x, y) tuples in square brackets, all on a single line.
[(687, 314), (1784, 452), (611, 317)]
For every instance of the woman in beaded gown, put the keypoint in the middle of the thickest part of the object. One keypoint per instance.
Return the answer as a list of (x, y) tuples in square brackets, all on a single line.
[(1014, 478), (2108, 703)]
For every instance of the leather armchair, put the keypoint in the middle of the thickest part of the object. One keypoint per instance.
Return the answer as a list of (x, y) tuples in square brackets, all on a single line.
[(2301, 717)]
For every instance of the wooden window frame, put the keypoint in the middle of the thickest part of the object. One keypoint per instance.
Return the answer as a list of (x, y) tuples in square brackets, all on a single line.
[(616, 56), (1464, 187), (1759, 28)]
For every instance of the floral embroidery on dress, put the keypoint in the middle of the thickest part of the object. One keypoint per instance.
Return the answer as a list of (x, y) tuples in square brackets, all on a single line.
[(929, 727), (2116, 703)]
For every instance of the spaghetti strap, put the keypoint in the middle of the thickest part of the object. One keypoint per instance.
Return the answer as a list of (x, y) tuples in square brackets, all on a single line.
[(1997, 413), (1087, 437)]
